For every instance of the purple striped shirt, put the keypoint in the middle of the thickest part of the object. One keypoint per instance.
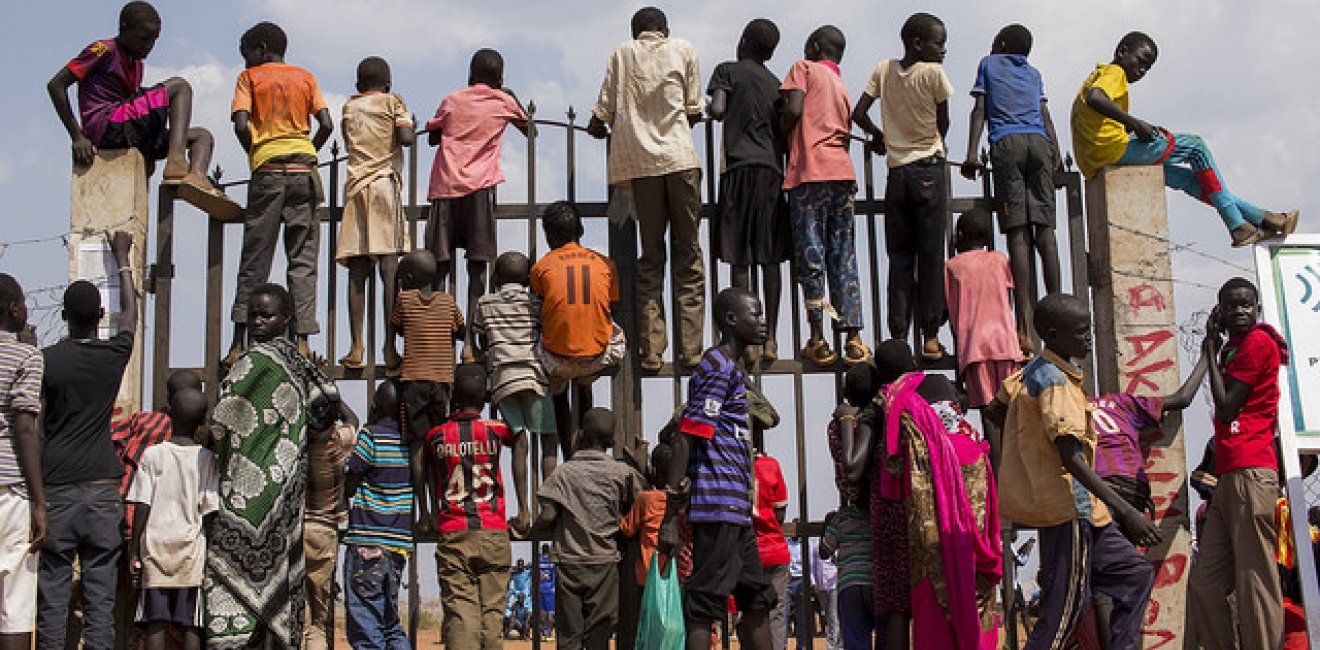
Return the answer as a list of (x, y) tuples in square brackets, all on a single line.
[(721, 463), (21, 366)]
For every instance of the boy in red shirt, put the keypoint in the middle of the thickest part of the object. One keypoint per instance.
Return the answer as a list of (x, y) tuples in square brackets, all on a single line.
[(472, 555), (1236, 549), (768, 522)]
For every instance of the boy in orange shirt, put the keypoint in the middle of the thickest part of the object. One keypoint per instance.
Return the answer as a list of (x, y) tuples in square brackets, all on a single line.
[(579, 338), (272, 103)]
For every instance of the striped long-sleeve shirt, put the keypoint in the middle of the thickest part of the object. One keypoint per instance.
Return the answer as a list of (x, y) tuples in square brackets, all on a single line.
[(381, 510), (721, 459)]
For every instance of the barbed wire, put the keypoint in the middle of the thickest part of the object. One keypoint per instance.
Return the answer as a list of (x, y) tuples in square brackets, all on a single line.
[(1184, 248), (1158, 278), (63, 237)]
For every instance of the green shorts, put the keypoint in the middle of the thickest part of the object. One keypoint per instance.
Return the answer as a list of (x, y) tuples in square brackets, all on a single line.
[(527, 411)]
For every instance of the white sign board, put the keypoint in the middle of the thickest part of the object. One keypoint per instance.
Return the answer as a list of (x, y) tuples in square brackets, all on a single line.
[(1288, 275), (1289, 279)]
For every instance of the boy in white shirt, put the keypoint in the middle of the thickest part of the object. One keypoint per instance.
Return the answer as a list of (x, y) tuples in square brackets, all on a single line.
[(175, 487)]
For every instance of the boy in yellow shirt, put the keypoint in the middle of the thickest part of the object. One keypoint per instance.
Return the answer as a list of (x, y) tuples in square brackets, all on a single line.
[(1101, 126), (1047, 481)]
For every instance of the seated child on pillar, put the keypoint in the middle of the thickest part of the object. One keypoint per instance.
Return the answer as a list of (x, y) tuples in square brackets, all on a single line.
[(175, 487), (1105, 133), (1047, 481), (711, 474), (1024, 154), (272, 106), (977, 283), (377, 126), (118, 113), (472, 554), (820, 183), (752, 216), (430, 322), (507, 328), (913, 93), (583, 503), (469, 127), (579, 338)]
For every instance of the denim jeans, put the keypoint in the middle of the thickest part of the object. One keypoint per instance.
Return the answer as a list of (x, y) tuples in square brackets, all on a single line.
[(83, 521), (371, 599)]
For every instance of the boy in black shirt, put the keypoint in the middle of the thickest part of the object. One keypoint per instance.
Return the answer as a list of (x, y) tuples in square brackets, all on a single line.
[(84, 510), (752, 217)]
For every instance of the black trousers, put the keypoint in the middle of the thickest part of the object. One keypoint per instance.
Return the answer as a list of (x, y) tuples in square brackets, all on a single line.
[(915, 205)]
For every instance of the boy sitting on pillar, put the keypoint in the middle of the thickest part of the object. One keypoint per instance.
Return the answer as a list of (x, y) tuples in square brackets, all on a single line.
[(1105, 133), (118, 113)]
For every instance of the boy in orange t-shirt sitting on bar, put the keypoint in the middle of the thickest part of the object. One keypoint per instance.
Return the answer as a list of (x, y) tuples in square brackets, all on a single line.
[(579, 338)]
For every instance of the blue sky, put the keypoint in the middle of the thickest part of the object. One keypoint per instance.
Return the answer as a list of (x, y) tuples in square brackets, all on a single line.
[(1237, 73)]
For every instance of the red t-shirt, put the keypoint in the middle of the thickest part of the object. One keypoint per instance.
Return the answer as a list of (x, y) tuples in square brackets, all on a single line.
[(771, 493), (1248, 441), (468, 484)]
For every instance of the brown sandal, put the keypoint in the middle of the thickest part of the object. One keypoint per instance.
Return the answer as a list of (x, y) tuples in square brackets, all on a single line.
[(855, 352), (818, 352)]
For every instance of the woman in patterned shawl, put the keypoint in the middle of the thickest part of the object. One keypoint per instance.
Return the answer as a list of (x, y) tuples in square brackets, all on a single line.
[(253, 591)]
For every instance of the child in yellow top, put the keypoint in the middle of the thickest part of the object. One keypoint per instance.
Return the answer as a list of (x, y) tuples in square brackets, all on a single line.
[(1101, 125)]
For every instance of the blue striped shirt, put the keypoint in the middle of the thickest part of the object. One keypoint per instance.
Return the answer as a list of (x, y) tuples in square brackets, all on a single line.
[(721, 461), (381, 511)]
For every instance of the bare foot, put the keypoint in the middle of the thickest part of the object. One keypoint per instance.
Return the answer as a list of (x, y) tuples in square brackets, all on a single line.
[(354, 358), (176, 168)]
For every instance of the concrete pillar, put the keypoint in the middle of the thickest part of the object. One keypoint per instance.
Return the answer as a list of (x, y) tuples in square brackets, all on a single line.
[(1136, 351), (111, 194)]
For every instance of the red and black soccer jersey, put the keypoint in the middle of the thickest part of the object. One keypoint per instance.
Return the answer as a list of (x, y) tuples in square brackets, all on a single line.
[(468, 484)]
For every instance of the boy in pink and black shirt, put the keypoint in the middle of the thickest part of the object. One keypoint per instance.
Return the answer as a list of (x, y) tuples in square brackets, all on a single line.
[(1236, 549), (118, 113)]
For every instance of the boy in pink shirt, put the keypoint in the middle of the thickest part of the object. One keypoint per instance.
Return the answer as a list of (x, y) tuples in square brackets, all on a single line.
[(820, 183), (468, 128), (977, 286)]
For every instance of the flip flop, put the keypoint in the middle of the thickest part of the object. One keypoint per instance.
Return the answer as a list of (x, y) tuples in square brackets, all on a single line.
[(212, 201)]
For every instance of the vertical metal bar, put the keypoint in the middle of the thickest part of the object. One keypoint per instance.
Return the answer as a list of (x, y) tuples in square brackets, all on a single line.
[(531, 181), (215, 269), (570, 149), (412, 189), (414, 598), (1079, 257), (873, 246), (332, 282), (710, 210), (162, 284)]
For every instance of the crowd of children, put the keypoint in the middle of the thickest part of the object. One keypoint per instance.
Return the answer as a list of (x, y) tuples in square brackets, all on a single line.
[(222, 520)]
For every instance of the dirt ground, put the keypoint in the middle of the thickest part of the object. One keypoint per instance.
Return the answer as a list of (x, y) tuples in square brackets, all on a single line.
[(430, 637)]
